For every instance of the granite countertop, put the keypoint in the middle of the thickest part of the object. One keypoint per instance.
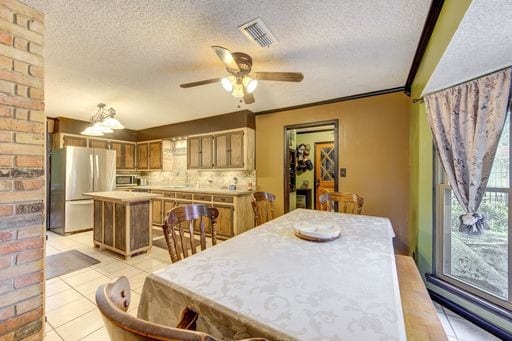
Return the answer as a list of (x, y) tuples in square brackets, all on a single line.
[(122, 196), (171, 188)]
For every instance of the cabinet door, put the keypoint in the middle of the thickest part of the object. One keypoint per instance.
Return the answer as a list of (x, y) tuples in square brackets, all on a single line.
[(221, 151), (236, 150), (74, 141), (142, 156), (118, 147), (224, 221), (102, 144), (155, 155), (206, 152), (193, 153), (157, 212), (129, 155), (167, 206)]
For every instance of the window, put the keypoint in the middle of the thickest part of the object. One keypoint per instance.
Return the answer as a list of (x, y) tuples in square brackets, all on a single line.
[(479, 264)]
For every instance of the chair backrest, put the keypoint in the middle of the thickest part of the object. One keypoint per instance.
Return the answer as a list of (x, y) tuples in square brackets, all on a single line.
[(347, 202), (113, 300), (263, 207), (179, 238)]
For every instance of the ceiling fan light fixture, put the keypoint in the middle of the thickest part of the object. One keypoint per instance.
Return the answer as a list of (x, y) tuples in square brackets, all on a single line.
[(238, 90), (250, 84), (227, 83)]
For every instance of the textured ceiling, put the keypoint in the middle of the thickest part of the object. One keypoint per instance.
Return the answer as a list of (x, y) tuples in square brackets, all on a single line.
[(133, 55), (481, 44)]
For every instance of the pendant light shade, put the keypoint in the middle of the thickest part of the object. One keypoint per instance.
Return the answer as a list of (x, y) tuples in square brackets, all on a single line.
[(102, 122)]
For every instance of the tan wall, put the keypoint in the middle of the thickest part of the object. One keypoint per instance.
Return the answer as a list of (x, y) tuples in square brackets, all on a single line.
[(22, 184), (374, 144)]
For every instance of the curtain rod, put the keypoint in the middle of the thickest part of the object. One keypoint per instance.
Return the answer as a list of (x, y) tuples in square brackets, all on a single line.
[(421, 99)]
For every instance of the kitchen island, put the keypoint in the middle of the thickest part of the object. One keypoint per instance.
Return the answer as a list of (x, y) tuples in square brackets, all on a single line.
[(122, 221)]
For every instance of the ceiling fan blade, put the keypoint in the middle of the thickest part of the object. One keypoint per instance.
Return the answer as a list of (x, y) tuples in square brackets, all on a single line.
[(279, 76), (208, 81), (226, 57), (248, 97)]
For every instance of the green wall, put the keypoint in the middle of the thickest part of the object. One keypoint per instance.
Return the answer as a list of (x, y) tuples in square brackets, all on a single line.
[(420, 143), (421, 156)]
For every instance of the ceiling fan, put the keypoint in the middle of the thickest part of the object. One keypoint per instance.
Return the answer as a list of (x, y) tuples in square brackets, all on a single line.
[(241, 82)]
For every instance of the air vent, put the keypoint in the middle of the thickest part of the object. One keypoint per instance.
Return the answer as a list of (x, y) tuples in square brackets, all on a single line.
[(258, 32)]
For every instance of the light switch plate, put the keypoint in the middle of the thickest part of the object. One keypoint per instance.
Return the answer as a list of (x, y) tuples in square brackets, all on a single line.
[(343, 172)]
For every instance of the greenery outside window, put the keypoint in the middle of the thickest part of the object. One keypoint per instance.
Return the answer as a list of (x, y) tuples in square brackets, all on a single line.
[(478, 264)]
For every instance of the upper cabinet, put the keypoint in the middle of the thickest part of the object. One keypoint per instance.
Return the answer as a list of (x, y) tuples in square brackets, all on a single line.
[(125, 154), (149, 155), (222, 150), (74, 141)]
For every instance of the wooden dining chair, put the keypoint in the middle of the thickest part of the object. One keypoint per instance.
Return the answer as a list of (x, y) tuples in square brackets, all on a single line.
[(192, 216), (347, 202), (263, 207), (113, 300)]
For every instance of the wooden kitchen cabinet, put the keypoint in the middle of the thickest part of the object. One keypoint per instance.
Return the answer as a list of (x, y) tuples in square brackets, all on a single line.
[(101, 144), (74, 141), (155, 155), (206, 152), (221, 154), (149, 155), (236, 150), (142, 155), (125, 155), (157, 211), (200, 152), (222, 150), (225, 221)]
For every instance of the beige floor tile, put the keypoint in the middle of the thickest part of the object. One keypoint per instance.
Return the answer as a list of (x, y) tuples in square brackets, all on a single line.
[(47, 328), (83, 277), (52, 336), (446, 325), (56, 287), (63, 244), (81, 326), (134, 300), (138, 280), (467, 331), (110, 268), (52, 280), (150, 264), (91, 297), (49, 250), (137, 259), (99, 335), (138, 290), (128, 271), (69, 312), (61, 299), (91, 286)]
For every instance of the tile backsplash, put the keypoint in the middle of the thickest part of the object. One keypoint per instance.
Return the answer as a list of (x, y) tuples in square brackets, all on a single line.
[(175, 171)]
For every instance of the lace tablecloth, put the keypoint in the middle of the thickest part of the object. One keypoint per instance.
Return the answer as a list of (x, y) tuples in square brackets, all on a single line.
[(269, 283)]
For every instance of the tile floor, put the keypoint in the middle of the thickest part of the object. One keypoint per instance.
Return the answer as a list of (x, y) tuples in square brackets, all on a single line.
[(70, 305), (71, 309)]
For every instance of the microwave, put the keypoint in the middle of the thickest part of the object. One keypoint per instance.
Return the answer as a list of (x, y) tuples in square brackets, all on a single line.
[(125, 180)]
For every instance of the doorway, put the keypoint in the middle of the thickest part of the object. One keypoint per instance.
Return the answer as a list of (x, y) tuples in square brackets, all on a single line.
[(310, 163)]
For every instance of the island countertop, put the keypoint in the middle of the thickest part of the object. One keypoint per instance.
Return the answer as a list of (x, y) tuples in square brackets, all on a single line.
[(206, 190), (122, 196)]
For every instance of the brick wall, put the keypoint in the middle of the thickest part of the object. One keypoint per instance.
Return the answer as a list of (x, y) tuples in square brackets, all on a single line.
[(22, 181)]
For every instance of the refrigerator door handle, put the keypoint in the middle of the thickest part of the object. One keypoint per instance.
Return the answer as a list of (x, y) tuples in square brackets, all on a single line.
[(92, 171)]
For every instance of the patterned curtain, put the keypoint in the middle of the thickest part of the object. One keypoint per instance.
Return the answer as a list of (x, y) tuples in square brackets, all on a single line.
[(466, 122)]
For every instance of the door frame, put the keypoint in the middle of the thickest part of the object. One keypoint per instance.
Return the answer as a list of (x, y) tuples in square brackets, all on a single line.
[(335, 123)]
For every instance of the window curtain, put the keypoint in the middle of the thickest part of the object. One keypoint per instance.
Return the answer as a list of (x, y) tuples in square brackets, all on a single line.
[(466, 122)]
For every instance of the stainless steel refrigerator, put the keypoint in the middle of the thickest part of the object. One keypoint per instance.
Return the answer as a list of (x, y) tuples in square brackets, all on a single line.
[(74, 171)]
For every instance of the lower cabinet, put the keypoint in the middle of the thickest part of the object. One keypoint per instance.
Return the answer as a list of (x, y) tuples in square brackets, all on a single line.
[(225, 221), (235, 213)]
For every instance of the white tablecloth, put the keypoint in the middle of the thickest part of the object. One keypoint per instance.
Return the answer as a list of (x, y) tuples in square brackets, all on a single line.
[(267, 282)]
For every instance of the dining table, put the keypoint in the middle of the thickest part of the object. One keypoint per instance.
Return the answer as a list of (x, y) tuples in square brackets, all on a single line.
[(269, 283)]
